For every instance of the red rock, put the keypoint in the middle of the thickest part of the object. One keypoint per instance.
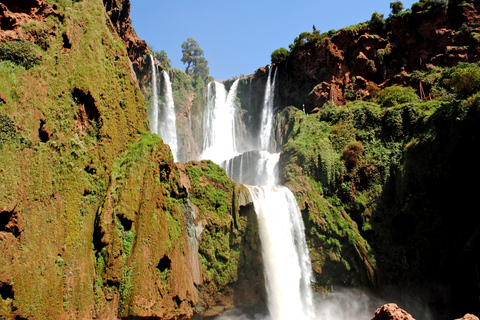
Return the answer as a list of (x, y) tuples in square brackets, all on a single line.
[(468, 316), (391, 311)]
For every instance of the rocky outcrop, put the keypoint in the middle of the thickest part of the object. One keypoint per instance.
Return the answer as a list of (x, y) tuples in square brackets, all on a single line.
[(468, 316), (119, 13), (341, 66), (391, 311)]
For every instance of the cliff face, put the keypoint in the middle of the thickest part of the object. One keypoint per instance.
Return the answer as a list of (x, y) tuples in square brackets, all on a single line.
[(95, 218), (316, 73)]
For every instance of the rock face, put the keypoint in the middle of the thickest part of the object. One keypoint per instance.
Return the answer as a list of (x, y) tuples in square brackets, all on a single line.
[(341, 66), (468, 316), (391, 311), (96, 221), (119, 13)]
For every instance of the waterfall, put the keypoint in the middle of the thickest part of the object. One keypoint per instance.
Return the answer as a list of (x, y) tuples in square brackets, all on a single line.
[(287, 267), (163, 123), (167, 127), (267, 112), (219, 123), (253, 168), (154, 109), (285, 254)]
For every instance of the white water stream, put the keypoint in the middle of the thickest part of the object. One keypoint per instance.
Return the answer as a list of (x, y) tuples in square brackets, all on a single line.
[(163, 119), (287, 268), (167, 128)]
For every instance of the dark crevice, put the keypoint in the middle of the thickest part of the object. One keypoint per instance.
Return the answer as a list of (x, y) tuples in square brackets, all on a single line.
[(88, 112), (98, 244), (177, 300), (164, 264), (66, 42), (43, 133), (9, 222), (126, 223), (6, 291)]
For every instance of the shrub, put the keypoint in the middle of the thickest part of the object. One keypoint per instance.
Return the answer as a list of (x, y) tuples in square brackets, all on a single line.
[(396, 6), (465, 81), (352, 153), (20, 52), (279, 55), (377, 19), (394, 95)]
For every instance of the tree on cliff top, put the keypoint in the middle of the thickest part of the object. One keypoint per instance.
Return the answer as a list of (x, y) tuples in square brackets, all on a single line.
[(193, 57), (396, 6), (162, 58)]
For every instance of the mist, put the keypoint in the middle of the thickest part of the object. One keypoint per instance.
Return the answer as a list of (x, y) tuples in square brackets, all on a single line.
[(347, 304)]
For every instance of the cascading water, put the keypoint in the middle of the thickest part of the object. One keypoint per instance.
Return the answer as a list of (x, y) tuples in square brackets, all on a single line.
[(163, 122), (285, 254), (267, 113), (219, 123), (154, 109), (167, 128)]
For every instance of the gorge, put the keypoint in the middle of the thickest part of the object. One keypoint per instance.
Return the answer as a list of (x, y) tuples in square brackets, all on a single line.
[(105, 216)]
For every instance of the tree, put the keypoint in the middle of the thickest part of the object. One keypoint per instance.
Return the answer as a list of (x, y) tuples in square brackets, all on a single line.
[(193, 57), (377, 19), (162, 58), (396, 6)]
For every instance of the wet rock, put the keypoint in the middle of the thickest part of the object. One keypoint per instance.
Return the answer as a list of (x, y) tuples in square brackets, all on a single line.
[(468, 316), (391, 311)]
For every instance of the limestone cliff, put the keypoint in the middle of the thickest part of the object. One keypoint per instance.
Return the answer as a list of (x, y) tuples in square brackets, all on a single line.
[(339, 66), (96, 221)]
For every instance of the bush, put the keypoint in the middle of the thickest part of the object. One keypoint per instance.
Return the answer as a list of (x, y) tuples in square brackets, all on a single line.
[(21, 52), (465, 81), (279, 55), (377, 19), (352, 154), (394, 95), (396, 6)]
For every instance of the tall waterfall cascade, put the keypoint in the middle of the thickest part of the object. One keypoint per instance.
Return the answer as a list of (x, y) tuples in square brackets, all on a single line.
[(162, 115), (167, 127), (219, 123), (267, 113), (287, 266), (154, 109)]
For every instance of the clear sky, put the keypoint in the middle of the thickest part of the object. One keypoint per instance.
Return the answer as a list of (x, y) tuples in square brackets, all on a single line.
[(238, 37)]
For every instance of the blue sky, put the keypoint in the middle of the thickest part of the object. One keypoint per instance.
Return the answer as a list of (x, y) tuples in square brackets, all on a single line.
[(237, 37)]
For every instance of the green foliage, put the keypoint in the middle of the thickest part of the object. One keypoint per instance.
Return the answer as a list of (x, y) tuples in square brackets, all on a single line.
[(377, 19), (423, 5), (9, 133), (193, 57), (162, 58), (307, 37), (356, 26), (396, 6), (465, 81), (279, 55), (21, 52), (394, 95)]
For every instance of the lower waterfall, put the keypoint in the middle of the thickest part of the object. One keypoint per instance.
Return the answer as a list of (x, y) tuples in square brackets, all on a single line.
[(287, 267), (285, 255)]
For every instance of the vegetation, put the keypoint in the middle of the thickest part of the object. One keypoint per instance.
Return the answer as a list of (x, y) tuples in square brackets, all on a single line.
[(377, 19), (162, 58), (20, 52), (394, 95), (193, 57), (279, 55), (396, 6)]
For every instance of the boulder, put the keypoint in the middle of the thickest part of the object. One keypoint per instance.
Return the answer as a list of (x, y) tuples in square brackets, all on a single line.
[(391, 311), (468, 316)]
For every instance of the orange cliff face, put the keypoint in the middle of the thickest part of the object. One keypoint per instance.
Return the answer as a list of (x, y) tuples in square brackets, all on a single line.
[(379, 55)]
